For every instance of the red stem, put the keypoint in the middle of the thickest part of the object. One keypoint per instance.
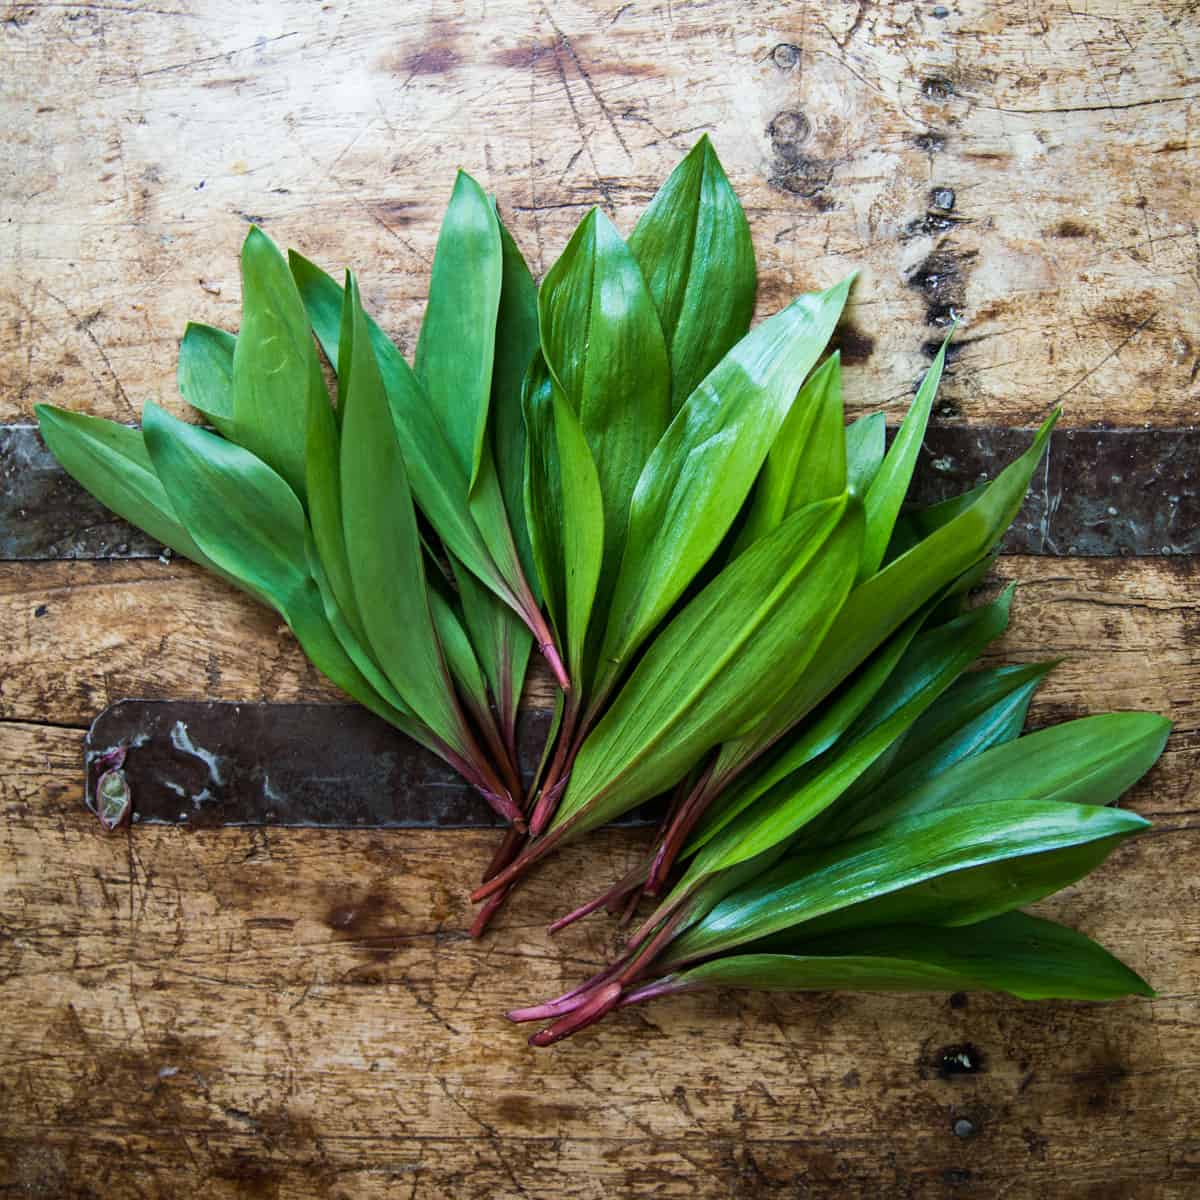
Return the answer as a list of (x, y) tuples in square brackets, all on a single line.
[(602, 1002), (681, 824)]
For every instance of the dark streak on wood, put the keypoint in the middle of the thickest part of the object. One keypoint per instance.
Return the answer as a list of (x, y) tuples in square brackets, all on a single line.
[(206, 763), (1101, 493)]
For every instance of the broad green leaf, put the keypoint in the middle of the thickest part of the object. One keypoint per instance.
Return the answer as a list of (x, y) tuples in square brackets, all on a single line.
[(604, 348), (866, 439), (974, 894), (693, 246), (241, 513), (1092, 760), (808, 460), (250, 524), (516, 343), (323, 481), (1024, 956), (543, 492), (275, 365), (382, 543), (909, 852), (890, 485), (501, 642), (929, 666), (879, 605), (583, 532), (111, 461), (706, 675), (457, 343), (205, 374), (703, 468), (983, 709), (438, 479), (829, 725)]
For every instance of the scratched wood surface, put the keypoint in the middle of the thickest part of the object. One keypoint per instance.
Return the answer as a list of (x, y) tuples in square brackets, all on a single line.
[(291, 1013)]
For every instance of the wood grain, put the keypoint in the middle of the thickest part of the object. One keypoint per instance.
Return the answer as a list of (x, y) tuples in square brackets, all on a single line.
[(1029, 169), (296, 1013)]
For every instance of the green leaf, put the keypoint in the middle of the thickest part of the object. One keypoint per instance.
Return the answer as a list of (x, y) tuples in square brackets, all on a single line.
[(1024, 956), (930, 664), (604, 349), (457, 343), (240, 512), (909, 852), (879, 605), (866, 439), (1092, 760), (382, 543), (275, 367), (981, 710), (501, 642), (111, 462), (808, 460), (205, 374), (323, 482), (974, 894), (707, 674), (438, 479), (703, 468), (693, 246), (890, 485), (516, 343), (828, 726)]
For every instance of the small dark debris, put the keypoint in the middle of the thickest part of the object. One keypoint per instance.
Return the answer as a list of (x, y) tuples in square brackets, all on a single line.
[(930, 141), (937, 87), (964, 1128), (854, 345), (41, 610), (942, 198), (959, 999), (929, 224), (199, 187), (941, 11), (785, 56), (787, 131), (960, 1059), (956, 1176), (1070, 229)]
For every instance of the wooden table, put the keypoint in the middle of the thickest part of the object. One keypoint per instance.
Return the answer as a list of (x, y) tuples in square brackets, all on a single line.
[(298, 1012)]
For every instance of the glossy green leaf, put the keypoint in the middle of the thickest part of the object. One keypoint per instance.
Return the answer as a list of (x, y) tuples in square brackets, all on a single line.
[(879, 605), (890, 485), (111, 462), (323, 482), (241, 513), (502, 643), (1092, 760), (808, 460), (929, 666), (438, 479), (604, 348), (693, 246), (457, 343), (829, 725), (866, 440), (382, 543), (974, 894), (703, 468), (205, 374), (275, 367), (981, 710), (516, 343), (1024, 956), (909, 852), (706, 675)]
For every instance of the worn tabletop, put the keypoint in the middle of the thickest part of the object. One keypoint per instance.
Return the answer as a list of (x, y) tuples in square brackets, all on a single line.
[(298, 1012)]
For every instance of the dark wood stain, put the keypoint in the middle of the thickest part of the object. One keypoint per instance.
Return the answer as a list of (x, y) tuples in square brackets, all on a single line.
[(1071, 229)]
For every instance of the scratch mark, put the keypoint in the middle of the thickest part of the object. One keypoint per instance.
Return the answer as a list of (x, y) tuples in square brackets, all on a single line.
[(1111, 354)]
